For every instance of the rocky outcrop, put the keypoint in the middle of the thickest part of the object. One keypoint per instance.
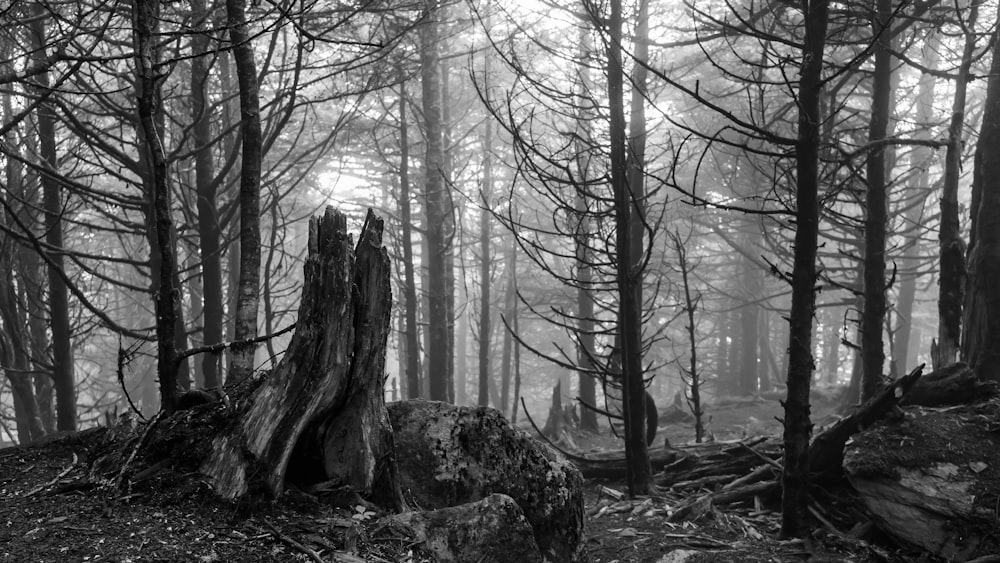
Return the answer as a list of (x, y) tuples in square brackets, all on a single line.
[(450, 455)]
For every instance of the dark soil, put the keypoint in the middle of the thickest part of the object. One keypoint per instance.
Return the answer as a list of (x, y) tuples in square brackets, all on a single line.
[(51, 510)]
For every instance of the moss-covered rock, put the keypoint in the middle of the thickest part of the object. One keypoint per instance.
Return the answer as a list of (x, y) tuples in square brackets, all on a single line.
[(450, 455)]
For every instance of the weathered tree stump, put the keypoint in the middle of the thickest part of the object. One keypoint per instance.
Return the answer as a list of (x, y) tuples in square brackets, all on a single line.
[(329, 382), (331, 374)]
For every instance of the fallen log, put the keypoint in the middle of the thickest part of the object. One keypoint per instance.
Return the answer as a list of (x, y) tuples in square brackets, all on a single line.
[(956, 384), (611, 464), (826, 452), (932, 479), (689, 462)]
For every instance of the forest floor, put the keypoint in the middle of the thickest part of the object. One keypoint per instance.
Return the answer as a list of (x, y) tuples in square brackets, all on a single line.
[(49, 511), (638, 531)]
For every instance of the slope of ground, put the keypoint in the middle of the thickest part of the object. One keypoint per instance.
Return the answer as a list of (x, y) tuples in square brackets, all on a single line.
[(50, 512)]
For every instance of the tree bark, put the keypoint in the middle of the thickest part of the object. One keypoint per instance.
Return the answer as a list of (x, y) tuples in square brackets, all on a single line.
[(795, 474), (252, 153), (981, 341)]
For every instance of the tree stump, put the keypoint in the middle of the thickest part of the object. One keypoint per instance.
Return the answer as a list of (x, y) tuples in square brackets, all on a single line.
[(331, 374), (325, 396)]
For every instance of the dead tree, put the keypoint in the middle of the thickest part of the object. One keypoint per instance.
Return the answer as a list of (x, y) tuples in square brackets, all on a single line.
[(327, 390)]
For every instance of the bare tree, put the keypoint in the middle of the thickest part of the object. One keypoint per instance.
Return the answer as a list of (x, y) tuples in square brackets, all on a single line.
[(434, 206), (795, 472), (250, 175), (693, 379), (146, 22), (952, 279), (59, 312), (876, 207)]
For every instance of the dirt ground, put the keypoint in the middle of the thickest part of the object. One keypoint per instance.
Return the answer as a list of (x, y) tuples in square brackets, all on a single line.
[(49, 511)]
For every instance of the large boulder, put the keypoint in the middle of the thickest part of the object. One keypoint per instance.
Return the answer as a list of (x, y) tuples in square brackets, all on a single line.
[(449, 455), (932, 478)]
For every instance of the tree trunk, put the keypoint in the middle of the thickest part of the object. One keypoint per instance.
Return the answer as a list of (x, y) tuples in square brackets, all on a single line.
[(831, 344), (981, 341), (795, 473), (920, 161), (330, 380), (722, 331), (509, 310), (15, 348), (434, 203), (517, 353), (693, 381), (586, 351), (732, 384), (59, 314), (273, 247), (14, 358), (952, 276), (636, 156), (485, 265), (449, 216), (462, 354), (749, 320), (876, 209), (32, 295), (406, 228), (209, 235), (640, 478), (145, 19), (252, 153), (765, 370)]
